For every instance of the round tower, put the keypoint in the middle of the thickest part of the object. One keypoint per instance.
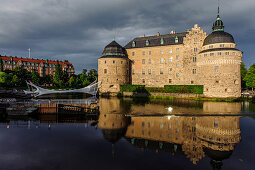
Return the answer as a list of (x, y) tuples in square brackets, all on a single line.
[(113, 68), (219, 63)]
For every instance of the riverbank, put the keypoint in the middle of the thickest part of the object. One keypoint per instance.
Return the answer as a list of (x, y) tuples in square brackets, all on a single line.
[(171, 96)]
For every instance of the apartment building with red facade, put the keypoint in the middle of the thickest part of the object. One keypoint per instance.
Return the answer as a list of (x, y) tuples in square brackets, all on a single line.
[(43, 67)]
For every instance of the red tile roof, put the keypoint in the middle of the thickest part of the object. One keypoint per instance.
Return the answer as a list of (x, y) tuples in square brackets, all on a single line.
[(34, 60)]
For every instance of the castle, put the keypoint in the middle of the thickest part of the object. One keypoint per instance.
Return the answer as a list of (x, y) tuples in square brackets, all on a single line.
[(188, 58)]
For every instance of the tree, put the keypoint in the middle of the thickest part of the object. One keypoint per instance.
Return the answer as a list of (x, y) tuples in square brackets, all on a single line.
[(92, 75), (58, 75), (15, 80), (71, 81), (243, 74), (35, 78), (1, 65), (3, 77), (250, 77)]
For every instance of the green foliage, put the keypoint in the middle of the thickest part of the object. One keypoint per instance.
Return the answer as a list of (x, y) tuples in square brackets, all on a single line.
[(130, 88), (58, 76), (196, 89), (250, 77), (35, 77), (243, 74), (3, 77), (1, 65)]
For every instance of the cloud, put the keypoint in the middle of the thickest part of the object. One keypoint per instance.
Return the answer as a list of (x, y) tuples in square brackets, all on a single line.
[(79, 29)]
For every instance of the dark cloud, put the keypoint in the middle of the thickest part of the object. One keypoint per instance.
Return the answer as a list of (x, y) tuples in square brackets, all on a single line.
[(79, 29)]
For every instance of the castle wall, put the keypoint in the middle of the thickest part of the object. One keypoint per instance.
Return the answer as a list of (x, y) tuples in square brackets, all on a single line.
[(112, 72)]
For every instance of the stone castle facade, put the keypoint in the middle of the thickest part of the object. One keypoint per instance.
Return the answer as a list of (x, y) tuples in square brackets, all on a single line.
[(189, 58)]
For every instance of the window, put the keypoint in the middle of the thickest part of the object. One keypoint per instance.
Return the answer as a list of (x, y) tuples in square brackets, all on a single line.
[(216, 124), (161, 125), (194, 59), (219, 53), (227, 53), (205, 55), (162, 41), (143, 71), (177, 74), (170, 70), (170, 59), (133, 53), (177, 65), (149, 71), (192, 82), (143, 61), (177, 49), (221, 45), (195, 40), (133, 71), (210, 46), (133, 44), (147, 42), (170, 51), (161, 60), (216, 68), (176, 40), (194, 71), (149, 124), (143, 52), (177, 57), (149, 61), (143, 80), (113, 61), (105, 71), (162, 52), (149, 52), (170, 81), (195, 50), (211, 54), (161, 71)]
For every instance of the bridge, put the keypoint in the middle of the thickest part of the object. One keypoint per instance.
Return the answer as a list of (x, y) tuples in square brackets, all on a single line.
[(90, 89)]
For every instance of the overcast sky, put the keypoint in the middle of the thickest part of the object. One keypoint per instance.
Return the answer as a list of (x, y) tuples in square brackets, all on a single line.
[(78, 30)]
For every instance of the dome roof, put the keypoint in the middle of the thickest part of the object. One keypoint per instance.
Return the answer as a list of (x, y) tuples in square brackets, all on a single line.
[(218, 37), (114, 50), (113, 135)]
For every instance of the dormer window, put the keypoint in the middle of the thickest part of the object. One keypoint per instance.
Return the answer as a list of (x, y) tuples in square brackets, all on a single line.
[(147, 42), (161, 41), (176, 39), (133, 44)]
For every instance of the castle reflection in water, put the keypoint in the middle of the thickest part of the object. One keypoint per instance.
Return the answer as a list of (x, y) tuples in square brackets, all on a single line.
[(195, 129), (194, 136)]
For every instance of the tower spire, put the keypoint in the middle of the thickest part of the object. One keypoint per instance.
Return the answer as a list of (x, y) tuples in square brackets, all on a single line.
[(218, 15)]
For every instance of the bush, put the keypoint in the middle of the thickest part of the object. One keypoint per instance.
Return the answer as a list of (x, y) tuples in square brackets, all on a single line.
[(196, 89)]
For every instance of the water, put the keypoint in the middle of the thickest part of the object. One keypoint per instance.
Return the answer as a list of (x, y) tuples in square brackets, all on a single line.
[(127, 134)]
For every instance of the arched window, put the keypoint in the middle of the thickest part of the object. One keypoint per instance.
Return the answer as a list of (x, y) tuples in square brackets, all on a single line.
[(161, 41), (147, 42), (133, 44), (176, 39)]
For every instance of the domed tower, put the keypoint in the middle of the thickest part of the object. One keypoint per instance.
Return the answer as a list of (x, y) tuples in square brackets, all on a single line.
[(219, 63), (113, 68)]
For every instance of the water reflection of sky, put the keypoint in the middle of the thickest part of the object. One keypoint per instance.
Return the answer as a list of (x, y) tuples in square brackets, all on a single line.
[(75, 146)]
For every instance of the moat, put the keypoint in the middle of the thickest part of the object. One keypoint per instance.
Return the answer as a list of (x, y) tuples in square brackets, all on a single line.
[(112, 133)]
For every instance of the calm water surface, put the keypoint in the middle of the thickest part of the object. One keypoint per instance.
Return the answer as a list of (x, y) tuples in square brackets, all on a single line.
[(127, 134)]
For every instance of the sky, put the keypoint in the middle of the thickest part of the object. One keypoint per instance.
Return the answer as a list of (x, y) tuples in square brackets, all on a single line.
[(78, 30)]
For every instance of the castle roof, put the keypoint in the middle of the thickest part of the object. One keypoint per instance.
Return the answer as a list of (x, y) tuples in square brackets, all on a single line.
[(114, 50), (157, 40), (218, 35)]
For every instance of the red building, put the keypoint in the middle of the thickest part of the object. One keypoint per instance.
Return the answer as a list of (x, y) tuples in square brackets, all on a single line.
[(43, 67)]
